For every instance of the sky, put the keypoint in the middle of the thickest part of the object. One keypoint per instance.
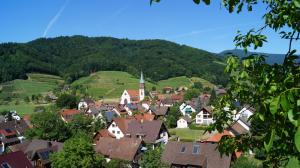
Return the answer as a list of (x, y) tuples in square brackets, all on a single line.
[(209, 28)]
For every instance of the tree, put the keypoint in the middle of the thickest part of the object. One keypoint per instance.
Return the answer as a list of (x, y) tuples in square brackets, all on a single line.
[(198, 85), (273, 90), (172, 117), (116, 163), (213, 96), (152, 158), (77, 152), (48, 126), (67, 101), (81, 123), (191, 93), (247, 162)]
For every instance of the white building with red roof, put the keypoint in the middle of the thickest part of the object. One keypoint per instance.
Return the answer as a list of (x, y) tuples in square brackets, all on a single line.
[(134, 96)]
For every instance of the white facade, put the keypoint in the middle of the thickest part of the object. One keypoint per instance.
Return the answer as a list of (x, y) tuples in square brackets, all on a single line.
[(164, 137), (82, 105), (244, 113), (125, 98), (186, 109), (204, 118), (115, 130), (182, 123)]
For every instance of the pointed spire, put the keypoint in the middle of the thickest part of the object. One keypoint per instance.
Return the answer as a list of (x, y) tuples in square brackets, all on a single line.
[(142, 78)]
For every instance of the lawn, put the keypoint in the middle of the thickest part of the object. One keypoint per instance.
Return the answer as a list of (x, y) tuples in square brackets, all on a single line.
[(111, 84), (22, 108), (186, 134), (35, 84)]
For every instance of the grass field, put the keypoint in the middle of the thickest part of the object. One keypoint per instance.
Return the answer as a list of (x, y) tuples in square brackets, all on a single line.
[(186, 134), (111, 84), (35, 84), (22, 108)]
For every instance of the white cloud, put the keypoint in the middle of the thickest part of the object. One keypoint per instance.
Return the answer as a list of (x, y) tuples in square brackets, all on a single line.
[(55, 18)]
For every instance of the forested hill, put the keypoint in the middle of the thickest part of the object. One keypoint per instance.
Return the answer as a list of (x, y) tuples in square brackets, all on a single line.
[(76, 56)]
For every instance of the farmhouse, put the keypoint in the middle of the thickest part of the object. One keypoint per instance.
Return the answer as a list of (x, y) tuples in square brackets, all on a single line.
[(68, 114), (204, 116), (187, 109), (134, 96)]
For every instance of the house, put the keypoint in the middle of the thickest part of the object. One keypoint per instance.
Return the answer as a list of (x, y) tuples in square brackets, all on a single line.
[(134, 96), (184, 122), (102, 133), (194, 154), (204, 116), (177, 98), (159, 111), (239, 127), (134, 107), (37, 151), (128, 149), (204, 99), (15, 160), (167, 90), (187, 109), (85, 103), (118, 127), (11, 133), (245, 113), (151, 132), (167, 102), (144, 117), (68, 114)]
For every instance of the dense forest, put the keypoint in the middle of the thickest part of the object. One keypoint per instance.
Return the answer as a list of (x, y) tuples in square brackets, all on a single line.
[(77, 56)]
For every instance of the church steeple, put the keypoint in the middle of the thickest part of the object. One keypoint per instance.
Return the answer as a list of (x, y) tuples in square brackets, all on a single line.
[(142, 87)]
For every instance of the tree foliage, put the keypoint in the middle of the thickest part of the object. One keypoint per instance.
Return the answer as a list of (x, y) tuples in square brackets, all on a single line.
[(48, 126), (172, 117), (77, 152), (152, 158), (77, 56), (67, 101), (191, 93)]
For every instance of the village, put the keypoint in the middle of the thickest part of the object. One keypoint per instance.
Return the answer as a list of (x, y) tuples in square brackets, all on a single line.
[(141, 121)]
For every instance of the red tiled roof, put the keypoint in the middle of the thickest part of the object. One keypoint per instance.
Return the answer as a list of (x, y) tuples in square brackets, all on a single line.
[(133, 93), (122, 123), (217, 137), (177, 97), (66, 112), (144, 117), (15, 160)]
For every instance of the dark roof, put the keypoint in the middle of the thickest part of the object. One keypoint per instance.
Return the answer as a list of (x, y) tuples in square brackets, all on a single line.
[(237, 129), (15, 160), (88, 101), (159, 110), (110, 115), (207, 108), (187, 119), (195, 154), (148, 129), (124, 148), (31, 146), (19, 126)]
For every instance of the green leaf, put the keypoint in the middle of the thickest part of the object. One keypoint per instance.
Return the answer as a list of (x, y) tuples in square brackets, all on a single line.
[(197, 1), (284, 102), (274, 105), (293, 162), (270, 144), (298, 102), (291, 117), (297, 139), (297, 3)]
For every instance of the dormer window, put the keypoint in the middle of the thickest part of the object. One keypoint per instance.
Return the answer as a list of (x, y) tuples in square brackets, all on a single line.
[(183, 149), (196, 149)]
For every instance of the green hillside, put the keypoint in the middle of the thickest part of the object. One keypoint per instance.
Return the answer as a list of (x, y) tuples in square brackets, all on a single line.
[(111, 84), (78, 56)]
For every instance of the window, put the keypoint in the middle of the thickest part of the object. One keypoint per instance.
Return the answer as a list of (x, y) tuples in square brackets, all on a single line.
[(5, 165), (196, 149), (113, 125), (113, 131), (182, 149), (118, 132)]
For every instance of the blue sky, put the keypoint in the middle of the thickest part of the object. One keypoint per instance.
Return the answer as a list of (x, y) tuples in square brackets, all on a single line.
[(210, 28)]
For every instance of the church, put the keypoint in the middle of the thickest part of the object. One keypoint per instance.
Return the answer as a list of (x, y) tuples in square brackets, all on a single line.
[(134, 96)]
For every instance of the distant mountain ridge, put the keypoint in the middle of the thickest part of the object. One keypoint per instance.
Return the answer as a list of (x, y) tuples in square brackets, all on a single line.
[(270, 59), (72, 57)]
